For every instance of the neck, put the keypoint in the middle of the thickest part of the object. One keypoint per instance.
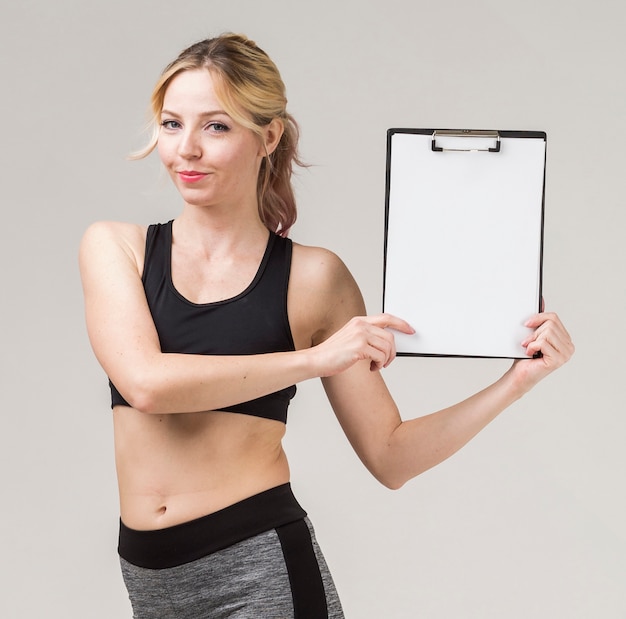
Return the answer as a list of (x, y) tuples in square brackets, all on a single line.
[(219, 230)]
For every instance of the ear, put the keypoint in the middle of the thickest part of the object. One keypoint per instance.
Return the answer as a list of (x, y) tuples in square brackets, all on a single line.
[(272, 132)]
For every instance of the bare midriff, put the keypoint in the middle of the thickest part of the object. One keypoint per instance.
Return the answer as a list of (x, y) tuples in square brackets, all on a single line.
[(175, 468)]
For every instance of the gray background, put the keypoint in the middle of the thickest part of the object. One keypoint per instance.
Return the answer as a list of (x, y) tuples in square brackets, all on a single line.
[(528, 520)]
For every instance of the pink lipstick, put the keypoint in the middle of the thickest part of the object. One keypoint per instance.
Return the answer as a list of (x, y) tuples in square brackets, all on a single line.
[(190, 176)]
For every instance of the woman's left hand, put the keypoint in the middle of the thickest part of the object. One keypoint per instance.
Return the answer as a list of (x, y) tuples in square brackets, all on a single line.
[(549, 338)]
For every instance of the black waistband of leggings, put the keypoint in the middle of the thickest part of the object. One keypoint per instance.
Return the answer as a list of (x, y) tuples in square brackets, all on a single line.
[(182, 543)]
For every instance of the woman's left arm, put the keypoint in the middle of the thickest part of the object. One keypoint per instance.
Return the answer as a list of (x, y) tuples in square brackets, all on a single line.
[(395, 451)]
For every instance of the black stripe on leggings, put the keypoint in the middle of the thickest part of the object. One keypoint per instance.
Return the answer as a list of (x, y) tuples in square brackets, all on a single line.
[(307, 588)]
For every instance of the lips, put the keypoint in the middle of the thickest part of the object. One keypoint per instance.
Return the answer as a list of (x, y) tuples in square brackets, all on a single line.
[(191, 176)]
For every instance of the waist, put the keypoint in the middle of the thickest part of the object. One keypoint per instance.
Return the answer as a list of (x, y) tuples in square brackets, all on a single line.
[(175, 468), (186, 542)]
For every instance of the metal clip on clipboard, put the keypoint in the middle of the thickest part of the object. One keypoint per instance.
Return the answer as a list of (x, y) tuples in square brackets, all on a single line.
[(465, 133)]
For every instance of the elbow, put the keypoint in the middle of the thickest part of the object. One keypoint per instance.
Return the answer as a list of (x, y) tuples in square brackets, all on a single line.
[(387, 468), (392, 480), (392, 483), (142, 395), (395, 474), (143, 401)]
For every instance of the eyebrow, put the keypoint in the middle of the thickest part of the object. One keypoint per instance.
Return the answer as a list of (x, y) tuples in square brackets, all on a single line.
[(202, 114)]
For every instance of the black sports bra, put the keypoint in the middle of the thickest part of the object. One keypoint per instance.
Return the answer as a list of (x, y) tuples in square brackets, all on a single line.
[(253, 322)]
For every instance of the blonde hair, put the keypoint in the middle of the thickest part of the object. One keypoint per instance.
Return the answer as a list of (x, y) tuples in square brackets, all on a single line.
[(249, 86)]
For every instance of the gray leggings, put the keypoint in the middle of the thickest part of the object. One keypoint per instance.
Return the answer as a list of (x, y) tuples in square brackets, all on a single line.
[(277, 574)]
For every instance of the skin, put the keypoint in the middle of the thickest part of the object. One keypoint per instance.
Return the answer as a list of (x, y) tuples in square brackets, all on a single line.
[(177, 456)]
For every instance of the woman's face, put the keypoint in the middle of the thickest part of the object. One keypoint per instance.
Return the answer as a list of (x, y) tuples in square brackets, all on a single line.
[(212, 160)]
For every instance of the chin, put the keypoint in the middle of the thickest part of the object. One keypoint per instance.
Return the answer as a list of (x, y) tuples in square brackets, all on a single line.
[(196, 197)]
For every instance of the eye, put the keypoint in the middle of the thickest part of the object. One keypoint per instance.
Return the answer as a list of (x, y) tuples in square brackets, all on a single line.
[(170, 125), (217, 127)]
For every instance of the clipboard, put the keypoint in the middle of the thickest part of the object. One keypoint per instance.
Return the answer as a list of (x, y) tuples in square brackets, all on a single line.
[(463, 248)]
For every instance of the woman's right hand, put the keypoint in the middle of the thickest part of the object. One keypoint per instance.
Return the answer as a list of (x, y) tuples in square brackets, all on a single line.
[(361, 338)]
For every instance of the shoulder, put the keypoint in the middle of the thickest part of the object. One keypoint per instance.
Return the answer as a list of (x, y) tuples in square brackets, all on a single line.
[(320, 268), (319, 263), (112, 241), (322, 289), (112, 235)]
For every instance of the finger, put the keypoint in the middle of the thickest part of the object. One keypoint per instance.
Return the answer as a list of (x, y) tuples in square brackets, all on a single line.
[(377, 357), (558, 335), (391, 351), (385, 347), (541, 337), (381, 347), (389, 321), (546, 321), (550, 356), (533, 335), (538, 345), (553, 344), (537, 320)]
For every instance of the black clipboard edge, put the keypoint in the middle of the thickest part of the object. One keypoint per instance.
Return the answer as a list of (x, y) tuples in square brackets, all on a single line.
[(541, 135), (451, 356)]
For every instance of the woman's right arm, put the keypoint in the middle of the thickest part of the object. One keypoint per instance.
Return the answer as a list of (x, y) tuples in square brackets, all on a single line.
[(126, 343)]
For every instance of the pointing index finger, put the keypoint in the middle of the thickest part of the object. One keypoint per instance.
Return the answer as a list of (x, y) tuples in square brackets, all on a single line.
[(389, 321)]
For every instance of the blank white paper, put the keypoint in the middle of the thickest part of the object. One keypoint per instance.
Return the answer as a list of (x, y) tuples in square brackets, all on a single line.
[(463, 244)]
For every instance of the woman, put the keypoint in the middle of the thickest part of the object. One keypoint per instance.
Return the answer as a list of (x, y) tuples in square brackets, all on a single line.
[(204, 326)]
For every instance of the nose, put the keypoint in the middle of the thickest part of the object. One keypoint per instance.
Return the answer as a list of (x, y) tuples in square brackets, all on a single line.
[(189, 146)]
